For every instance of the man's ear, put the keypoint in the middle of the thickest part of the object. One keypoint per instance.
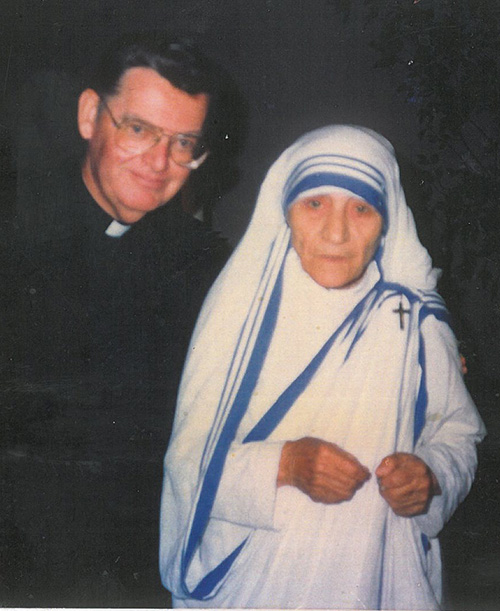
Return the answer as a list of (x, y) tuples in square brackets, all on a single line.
[(88, 108)]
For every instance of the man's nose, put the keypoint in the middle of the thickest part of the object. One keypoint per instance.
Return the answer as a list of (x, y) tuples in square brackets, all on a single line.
[(336, 227), (158, 156)]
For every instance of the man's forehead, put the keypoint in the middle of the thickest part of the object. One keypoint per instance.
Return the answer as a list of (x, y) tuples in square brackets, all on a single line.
[(142, 79), (145, 94), (136, 74)]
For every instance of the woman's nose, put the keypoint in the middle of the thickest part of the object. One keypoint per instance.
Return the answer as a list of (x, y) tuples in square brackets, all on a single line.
[(336, 226)]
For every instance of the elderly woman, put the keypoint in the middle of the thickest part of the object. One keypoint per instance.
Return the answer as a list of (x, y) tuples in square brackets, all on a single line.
[(323, 434)]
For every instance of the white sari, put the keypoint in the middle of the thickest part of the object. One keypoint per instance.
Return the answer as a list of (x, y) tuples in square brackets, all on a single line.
[(361, 379)]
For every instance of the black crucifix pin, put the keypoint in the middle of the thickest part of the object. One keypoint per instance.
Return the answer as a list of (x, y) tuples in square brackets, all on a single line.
[(401, 311)]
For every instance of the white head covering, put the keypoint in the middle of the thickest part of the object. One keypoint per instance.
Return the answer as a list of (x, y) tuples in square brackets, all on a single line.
[(348, 155)]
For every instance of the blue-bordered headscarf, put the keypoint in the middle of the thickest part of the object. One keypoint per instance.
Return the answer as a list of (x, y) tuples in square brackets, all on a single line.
[(321, 173)]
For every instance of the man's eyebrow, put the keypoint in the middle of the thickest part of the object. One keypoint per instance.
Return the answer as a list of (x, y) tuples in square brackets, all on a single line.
[(132, 117)]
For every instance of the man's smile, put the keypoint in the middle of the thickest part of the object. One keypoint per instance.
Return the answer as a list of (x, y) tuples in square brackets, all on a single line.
[(150, 182)]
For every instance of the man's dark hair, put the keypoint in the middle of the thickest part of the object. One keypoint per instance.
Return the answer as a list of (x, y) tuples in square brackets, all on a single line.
[(176, 59)]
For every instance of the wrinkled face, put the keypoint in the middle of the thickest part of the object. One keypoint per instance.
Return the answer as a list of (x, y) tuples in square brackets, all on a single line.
[(336, 236), (129, 186)]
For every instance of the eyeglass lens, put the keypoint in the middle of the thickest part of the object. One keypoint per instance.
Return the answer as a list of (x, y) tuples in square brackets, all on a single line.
[(137, 138)]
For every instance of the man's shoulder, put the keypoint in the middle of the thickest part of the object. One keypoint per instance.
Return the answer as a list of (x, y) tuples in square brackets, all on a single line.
[(52, 204), (171, 232)]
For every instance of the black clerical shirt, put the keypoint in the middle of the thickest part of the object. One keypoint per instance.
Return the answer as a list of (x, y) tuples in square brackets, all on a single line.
[(95, 333)]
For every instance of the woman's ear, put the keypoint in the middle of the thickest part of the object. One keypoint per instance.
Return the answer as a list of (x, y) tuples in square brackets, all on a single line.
[(88, 108)]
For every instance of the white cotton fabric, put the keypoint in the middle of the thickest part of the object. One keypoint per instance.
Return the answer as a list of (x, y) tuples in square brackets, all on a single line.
[(354, 555)]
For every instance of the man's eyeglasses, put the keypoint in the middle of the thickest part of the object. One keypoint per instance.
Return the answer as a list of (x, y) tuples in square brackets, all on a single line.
[(136, 137)]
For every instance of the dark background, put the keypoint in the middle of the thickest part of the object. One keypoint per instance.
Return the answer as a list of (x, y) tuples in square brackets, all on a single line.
[(424, 73)]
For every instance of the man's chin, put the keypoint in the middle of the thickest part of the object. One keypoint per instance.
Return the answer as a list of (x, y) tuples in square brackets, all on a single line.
[(130, 215)]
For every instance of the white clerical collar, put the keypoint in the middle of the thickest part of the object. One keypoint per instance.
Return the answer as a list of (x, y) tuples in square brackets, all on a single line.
[(116, 229)]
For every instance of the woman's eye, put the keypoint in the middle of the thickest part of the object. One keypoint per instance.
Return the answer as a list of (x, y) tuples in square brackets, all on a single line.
[(362, 208), (314, 203)]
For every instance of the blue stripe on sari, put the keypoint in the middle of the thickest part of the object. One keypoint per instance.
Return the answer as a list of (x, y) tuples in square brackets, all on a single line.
[(236, 413), (208, 583), (280, 408)]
